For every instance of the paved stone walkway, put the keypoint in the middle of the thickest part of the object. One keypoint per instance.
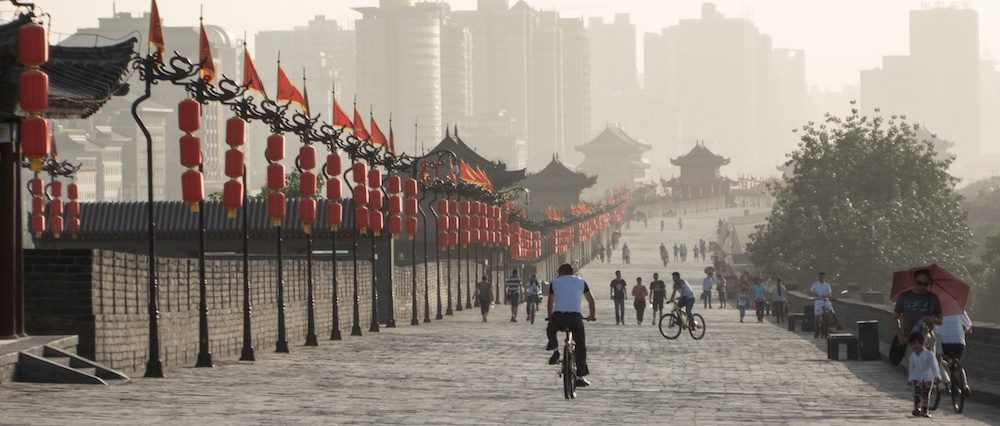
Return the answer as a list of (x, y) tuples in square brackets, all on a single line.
[(461, 370)]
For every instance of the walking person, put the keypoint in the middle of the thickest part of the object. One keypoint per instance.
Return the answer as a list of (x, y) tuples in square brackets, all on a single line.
[(924, 373), (664, 255), (626, 254), (707, 285), (639, 294), (618, 288), (484, 294), (779, 300), (769, 296), (695, 249), (915, 310), (676, 252), (661, 225), (513, 293), (566, 294), (600, 251), (532, 297), (742, 294), (720, 286), (658, 291), (759, 297), (680, 223)]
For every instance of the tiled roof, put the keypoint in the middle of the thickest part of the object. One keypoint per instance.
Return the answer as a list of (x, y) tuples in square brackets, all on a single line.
[(556, 174), (700, 155), (613, 139), (81, 79), (497, 171)]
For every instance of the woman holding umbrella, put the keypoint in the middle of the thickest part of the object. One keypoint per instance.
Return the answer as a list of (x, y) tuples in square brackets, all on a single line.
[(916, 308)]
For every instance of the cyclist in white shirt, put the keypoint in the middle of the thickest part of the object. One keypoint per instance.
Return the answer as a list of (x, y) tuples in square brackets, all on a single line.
[(821, 292), (565, 296), (686, 297)]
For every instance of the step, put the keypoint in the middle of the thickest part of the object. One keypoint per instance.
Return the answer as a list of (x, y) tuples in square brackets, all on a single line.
[(36, 369), (83, 364)]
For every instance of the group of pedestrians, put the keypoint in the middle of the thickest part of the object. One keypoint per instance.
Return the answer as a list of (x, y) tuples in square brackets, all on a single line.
[(514, 291), (681, 252)]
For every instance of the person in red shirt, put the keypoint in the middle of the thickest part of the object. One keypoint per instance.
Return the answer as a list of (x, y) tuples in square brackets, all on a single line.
[(639, 293)]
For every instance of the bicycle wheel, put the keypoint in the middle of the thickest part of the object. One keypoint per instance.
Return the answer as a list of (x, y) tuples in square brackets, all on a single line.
[(958, 389), (934, 396), (670, 326), (569, 373), (698, 331)]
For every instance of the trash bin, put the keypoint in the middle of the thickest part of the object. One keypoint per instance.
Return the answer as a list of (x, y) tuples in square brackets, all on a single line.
[(868, 347), (809, 322)]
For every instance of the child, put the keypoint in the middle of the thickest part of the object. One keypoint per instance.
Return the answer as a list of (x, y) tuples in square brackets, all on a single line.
[(924, 373), (741, 303)]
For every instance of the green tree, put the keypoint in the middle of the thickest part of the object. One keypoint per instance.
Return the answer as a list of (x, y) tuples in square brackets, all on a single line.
[(866, 199), (986, 294), (291, 189)]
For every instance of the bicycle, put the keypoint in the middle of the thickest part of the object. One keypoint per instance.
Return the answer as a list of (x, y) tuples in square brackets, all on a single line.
[(532, 306), (956, 386), (822, 322), (567, 366), (677, 320)]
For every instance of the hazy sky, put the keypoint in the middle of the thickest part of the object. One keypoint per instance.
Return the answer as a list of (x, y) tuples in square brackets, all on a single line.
[(840, 37)]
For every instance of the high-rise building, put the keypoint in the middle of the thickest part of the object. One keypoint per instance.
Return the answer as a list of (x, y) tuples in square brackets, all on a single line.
[(576, 88), (613, 75), (545, 135), (938, 83)]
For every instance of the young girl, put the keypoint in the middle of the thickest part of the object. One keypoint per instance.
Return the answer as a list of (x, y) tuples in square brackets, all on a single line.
[(924, 372), (741, 302)]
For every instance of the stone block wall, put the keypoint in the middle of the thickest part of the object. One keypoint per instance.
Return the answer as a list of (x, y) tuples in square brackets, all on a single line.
[(982, 353)]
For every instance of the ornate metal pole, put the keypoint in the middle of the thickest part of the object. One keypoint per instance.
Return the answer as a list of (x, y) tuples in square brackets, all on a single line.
[(281, 346), (423, 216), (204, 354), (373, 327), (311, 303), (335, 329), (458, 267), (437, 263), (356, 328), (247, 353)]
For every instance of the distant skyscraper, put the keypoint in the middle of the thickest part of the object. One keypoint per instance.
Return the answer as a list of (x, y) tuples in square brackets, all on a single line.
[(576, 88), (938, 84), (613, 75), (399, 64)]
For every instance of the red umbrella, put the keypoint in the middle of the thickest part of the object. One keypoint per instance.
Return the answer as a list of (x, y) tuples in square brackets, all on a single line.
[(952, 291)]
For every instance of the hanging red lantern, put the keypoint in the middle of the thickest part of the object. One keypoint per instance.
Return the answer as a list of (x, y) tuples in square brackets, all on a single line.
[(35, 140), (442, 207), (395, 225), (232, 197), (234, 163), (394, 184), (374, 178), (442, 240), (360, 172), (55, 189), (411, 206), (73, 226), (452, 223), (36, 186), (333, 168), (442, 223), (307, 214), (334, 215), (276, 207), (334, 191), (275, 150), (56, 207), (410, 187), (464, 207), (411, 226), (452, 207), (360, 195), (33, 91), (395, 204), (72, 191), (307, 184), (37, 205), (190, 151), (275, 176), (189, 116), (307, 157), (193, 188), (38, 225), (361, 218), (464, 222), (236, 132), (375, 199), (464, 237), (453, 239), (32, 45), (56, 226)]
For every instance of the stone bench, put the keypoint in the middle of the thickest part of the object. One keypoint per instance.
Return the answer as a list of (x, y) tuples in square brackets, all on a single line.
[(833, 346), (796, 317)]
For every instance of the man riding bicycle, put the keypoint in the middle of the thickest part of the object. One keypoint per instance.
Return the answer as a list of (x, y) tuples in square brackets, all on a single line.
[(566, 293), (686, 299), (821, 292), (532, 297)]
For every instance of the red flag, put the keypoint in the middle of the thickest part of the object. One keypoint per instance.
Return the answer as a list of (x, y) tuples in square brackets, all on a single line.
[(287, 91), (377, 137), (339, 117), (205, 57), (156, 33), (392, 139), (360, 131), (424, 173), (251, 81), (305, 97), (465, 172)]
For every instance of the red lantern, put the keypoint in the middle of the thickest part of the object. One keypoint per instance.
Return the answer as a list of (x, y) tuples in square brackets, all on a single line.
[(360, 195), (411, 206), (463, 222), (395, 205), (232, 197), (395, 184), (38, 224), (360, 172), (410, 188), (452, 207), (333, 165), (374, 178), (275, 176), (464, 237), (276, 207), (464, 207), (55, 189), (411, 226), (395, 225), (361, 219), (334, 191), (189, 115), (375, 199), (453, 223), (191, 151), (442, 206), (442, 239), (453, 239), (307, 214), (443, 222), (36, 186), (307, 157), (32, 45), (475, 236), (73, 227), (275, 148), (193, 188), (34, 91), (56, 207), (56, 226), (307, 184), (334, 215), (37, 205), (35, 140), (73, 191), (236, 132), (234, 163)]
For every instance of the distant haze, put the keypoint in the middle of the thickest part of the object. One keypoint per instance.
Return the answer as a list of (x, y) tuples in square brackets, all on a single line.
[(840, 37)]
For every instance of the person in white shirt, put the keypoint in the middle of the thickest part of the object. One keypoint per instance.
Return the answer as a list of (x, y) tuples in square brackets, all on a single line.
[(707, 285), (821, 292), (778, 296), (951, 342), (565, 296), (685, 298), (924, 372)]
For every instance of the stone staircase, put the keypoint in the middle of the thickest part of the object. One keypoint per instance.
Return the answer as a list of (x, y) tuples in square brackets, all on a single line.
[(51, 359)]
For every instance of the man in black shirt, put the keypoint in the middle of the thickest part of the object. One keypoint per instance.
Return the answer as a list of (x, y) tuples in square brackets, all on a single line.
[(618, 290), (657, 291)]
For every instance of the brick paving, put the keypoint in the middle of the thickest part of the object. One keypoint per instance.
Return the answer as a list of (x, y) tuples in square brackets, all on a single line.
[(461, 370)]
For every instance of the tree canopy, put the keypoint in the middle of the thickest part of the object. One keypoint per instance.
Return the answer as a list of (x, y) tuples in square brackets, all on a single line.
[(866, 198)]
